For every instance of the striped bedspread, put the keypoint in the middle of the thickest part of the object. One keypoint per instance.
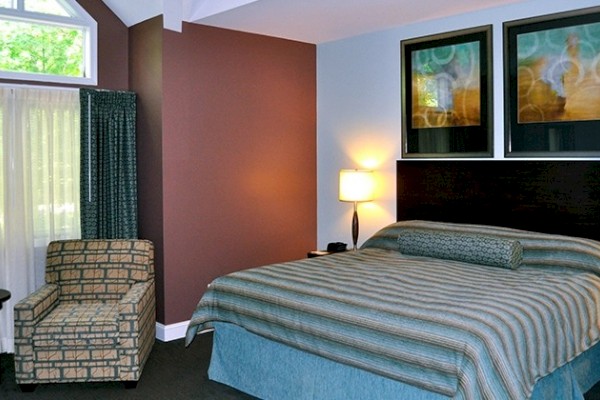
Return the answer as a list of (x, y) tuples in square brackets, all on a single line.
[(463, 330)]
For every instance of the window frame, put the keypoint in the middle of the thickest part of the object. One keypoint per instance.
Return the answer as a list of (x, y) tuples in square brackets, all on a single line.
[(79, 19)]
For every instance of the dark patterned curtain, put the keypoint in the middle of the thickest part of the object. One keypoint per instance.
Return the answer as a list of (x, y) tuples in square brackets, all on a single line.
[(108, 165)]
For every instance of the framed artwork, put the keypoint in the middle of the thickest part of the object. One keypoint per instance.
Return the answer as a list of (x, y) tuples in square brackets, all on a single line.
[(552, 85), (447, 95)]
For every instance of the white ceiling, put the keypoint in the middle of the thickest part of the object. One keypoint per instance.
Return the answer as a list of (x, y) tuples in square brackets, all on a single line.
[(311, 21)]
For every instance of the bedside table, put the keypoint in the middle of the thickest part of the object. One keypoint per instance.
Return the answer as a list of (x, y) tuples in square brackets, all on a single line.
[(319, 253), (4, 296)]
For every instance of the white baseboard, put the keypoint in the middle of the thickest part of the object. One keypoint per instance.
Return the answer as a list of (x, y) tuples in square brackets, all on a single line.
[(166, 333)]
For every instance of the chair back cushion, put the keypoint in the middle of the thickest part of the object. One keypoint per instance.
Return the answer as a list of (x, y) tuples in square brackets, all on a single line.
[(98, 270)]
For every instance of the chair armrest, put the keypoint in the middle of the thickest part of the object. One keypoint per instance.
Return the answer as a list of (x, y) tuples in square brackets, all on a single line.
[(28, 312), (37, 305), (137, 328), (137, 309), (136, 298)]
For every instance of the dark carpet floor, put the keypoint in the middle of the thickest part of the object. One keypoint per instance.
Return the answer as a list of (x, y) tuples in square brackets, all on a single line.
[(173, 372)]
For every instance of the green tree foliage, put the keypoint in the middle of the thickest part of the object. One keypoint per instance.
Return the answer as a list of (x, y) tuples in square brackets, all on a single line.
[(41, 49)]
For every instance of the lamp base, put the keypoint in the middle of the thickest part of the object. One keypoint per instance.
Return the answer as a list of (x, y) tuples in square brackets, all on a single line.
[(355, 227)]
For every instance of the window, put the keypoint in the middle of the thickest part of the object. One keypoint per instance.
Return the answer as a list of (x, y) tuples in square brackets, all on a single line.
[(39, 185), (47, 40), (39, 169)]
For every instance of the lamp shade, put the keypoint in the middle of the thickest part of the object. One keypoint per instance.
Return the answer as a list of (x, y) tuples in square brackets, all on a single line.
[(356, 185)]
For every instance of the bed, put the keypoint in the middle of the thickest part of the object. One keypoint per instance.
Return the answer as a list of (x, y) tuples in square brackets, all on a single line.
[(462, 305)]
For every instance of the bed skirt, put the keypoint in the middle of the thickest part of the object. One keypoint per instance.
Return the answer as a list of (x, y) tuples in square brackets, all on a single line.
[(272, 371)]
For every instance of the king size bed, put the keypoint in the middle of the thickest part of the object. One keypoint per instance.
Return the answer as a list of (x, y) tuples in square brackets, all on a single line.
[(487, 287)]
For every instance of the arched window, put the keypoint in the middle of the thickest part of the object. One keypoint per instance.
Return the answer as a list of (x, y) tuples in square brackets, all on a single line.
[(47, 40)]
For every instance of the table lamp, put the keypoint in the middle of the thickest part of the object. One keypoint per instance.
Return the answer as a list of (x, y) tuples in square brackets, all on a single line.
[(356, 186)]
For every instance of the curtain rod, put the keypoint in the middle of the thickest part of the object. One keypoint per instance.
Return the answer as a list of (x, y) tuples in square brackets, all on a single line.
[(17, 85)]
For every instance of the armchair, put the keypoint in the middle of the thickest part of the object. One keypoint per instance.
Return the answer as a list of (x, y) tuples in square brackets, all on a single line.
[(93, 320)]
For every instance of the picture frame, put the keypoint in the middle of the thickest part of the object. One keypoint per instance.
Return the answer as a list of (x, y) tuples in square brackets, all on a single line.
[(552, 85), (446, 90)]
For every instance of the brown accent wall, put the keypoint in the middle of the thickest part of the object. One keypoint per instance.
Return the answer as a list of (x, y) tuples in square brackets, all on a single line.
[(239, 156), (113, 46), (145, 77), (113, 52), (227, 154)]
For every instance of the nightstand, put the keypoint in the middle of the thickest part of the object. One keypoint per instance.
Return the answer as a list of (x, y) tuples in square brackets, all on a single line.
[(4, 296), (318, 253)]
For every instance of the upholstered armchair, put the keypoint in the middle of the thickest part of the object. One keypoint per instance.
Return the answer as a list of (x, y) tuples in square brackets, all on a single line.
[(93, 320)]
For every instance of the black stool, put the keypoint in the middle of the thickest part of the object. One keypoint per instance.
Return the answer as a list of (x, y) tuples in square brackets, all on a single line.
[(4, 295)]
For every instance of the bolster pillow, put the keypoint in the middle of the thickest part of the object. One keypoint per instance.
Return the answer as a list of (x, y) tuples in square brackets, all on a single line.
[(475, 249)]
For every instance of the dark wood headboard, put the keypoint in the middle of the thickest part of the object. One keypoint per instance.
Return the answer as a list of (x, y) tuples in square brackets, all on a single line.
[(545, 196)]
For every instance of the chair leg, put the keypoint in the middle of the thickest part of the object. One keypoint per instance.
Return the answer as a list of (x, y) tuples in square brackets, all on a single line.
[(130, 384), (27, 387)]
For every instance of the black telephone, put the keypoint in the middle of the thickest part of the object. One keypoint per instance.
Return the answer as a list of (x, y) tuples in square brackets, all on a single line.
[(336, 247)]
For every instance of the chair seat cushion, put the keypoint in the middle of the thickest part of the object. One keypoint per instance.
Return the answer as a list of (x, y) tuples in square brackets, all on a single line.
[(79, 325)]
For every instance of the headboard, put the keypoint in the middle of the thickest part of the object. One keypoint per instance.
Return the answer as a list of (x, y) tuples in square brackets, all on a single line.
[(545, 196)]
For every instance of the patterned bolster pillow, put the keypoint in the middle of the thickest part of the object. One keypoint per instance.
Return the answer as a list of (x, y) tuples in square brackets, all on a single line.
[(475, 249)]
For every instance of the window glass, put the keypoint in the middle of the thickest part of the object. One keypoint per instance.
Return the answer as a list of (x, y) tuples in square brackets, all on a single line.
[(46, 6), (40, 48), (8, 3), (47, 40)]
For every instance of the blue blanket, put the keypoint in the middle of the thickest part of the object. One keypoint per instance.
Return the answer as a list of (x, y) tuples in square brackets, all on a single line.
[(456, 328)]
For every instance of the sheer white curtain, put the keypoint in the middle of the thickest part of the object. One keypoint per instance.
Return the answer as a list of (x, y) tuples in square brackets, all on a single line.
[(39, 186)]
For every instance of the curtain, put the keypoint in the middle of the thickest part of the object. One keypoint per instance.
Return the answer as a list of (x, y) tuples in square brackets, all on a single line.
[(108, 165), (39, 187)]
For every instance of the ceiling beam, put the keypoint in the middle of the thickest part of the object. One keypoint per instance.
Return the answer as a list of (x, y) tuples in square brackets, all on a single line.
[(173, 15), (132, 12), (205, 8)]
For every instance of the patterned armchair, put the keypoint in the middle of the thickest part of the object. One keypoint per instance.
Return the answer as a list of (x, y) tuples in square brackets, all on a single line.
[(93, 320)]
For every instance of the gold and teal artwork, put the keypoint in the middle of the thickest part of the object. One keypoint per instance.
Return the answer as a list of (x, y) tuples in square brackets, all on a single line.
[(446, 86), (558, 77)]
